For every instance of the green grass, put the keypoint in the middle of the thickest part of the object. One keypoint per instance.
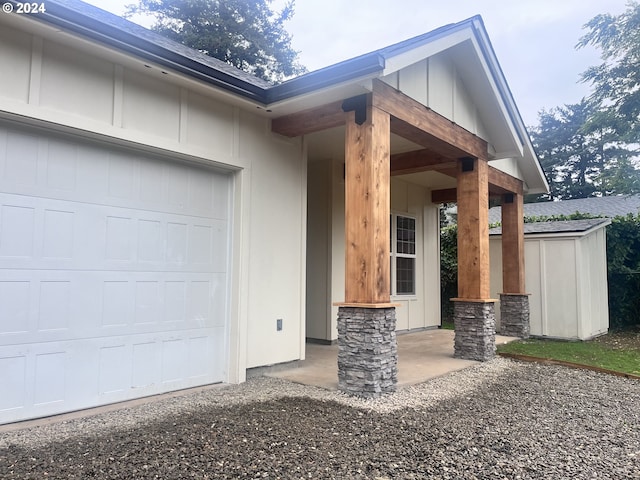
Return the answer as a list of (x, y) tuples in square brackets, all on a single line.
[(447, 325), (585, 353)]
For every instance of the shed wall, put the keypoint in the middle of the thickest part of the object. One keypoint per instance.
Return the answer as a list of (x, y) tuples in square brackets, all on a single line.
[(566, 277)]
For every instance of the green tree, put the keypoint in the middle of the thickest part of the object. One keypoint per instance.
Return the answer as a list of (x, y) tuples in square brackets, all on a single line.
[(581, 155), (622, 178), (623, 261), (616, 80), (571, 157), (247, 34)]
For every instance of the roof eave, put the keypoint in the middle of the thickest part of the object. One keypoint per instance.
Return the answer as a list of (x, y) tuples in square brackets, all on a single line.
[(76, 22), (537, 184), (369, 65)]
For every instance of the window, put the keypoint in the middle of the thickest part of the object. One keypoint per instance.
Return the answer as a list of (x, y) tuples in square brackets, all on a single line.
[(403, 255)]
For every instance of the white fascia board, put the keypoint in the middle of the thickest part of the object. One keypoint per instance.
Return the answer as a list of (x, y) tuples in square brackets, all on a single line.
[(534, 169), (316, 98), (398, 62), (508, 111), (517, 127)]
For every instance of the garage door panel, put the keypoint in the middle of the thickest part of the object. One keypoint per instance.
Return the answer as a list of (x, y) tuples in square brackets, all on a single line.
[(67, 305), (44, 378), (113, 274), (19, 154), (68, 235), (13, 372), (82, 172)]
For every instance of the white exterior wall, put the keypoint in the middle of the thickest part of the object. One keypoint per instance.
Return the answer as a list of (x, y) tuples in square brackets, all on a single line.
[(68, 84), (423, 309), (566, 277), (326, 263), (319, 230)]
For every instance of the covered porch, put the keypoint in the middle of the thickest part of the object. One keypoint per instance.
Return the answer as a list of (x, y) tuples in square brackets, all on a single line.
[(422, 356), (368, 358)]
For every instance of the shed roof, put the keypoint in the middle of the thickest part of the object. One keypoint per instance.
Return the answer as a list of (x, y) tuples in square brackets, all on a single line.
[(606, 206), (566, 226)]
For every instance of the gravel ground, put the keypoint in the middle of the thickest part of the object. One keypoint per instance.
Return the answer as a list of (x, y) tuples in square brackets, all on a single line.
[(497, 420)]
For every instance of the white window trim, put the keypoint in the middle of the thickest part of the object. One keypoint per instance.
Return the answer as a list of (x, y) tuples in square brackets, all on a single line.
[(394, 255)]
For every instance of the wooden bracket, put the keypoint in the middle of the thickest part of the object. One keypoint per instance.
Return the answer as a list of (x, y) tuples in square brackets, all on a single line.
[(357, 104), (467, 164)]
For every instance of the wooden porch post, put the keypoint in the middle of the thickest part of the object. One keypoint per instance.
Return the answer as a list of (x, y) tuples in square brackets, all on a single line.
[(514, 302), (367, 207), (474, 314), (473, 229), (367, 349), (512, 243)]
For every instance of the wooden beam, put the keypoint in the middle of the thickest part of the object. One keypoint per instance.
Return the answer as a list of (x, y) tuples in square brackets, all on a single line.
[(420, 124), (310, 120), (367, 208), (419, 161), (501, 182), (446, 195), (473, 229), (513, 244)]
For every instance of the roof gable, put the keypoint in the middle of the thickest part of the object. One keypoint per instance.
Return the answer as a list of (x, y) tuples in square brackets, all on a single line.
[(465, 45)]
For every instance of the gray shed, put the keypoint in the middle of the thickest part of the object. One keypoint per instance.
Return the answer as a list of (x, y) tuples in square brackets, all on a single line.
[(566, 275)]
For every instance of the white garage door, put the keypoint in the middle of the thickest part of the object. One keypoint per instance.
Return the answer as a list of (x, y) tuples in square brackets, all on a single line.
[(113, 274)]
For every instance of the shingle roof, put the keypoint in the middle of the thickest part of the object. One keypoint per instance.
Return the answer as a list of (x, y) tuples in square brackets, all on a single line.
[(606, 206), (565, 226), (140, 32), (95, 23)]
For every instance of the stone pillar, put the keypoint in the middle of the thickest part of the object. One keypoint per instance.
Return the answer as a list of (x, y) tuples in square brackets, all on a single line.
[(475, 330), (367, 351), (514, 315)]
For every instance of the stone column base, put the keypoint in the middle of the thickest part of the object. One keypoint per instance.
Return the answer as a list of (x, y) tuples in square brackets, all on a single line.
[(367, 351), (514, 315), (475, 330)]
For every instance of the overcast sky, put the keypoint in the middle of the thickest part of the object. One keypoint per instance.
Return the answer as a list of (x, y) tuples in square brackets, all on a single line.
[(534, 40)]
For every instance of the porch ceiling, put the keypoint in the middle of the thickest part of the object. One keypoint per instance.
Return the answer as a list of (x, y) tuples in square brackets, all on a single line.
[(329, 144), (421, 140)]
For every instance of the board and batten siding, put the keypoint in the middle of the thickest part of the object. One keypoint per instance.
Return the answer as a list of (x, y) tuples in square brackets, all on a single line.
[(326, 263), (70, 84), (435, 83)]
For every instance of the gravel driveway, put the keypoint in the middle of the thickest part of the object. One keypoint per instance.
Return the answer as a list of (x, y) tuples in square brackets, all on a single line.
[(498, 420)]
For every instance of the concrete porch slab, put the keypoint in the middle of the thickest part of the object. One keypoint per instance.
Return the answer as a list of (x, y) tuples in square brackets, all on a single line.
[(421, 355)]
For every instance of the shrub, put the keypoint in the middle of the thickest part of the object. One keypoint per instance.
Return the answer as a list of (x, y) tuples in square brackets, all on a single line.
[(448, 270), (623, 268)]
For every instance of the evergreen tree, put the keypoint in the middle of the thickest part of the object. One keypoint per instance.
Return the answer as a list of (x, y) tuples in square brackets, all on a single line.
[(591, 148), (570, 158), (244, 33), (616, 80)]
